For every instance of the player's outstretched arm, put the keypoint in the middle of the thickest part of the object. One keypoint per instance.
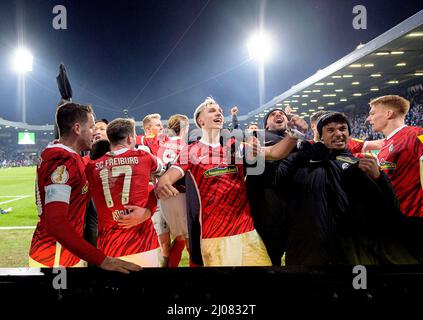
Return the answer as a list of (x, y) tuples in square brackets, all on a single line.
[(136, 216), (373, 145), (281, 149), (296, 130), (114, 264), (165, 183)]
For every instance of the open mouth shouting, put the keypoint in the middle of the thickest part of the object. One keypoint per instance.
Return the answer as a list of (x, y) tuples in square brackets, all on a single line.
[(218, 120)]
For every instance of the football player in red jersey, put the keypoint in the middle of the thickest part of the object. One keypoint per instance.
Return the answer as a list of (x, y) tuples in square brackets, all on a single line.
[(401, 156), (152, 141), (174, 209), (153, 129), (228, 236), (62, 196), (120, 181), (356, 146)]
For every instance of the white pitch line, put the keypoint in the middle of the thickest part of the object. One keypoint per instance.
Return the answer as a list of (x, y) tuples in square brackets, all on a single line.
[(17, 228), (16, 195), (20, 198)]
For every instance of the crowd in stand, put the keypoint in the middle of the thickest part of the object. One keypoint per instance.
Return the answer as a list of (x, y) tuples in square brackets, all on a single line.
[(10, 157)]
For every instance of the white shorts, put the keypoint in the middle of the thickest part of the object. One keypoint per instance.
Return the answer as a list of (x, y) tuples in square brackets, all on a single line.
[(159, 222), (149, 259), (174, 212)]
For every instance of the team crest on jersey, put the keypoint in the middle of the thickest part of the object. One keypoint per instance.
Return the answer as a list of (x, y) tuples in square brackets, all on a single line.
[(391, 148), (388, 167), (231, 169), (60, 175), (85, 188), (420, 138)]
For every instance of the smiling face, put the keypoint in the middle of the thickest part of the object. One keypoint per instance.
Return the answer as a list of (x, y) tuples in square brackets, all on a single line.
[(276, 121), (211, 117), (335, 135), (155, 127)]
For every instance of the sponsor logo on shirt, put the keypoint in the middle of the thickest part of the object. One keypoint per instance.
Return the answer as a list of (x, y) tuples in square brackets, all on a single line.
[(231, 169), (388, 167), (60, 175), (420, 138)]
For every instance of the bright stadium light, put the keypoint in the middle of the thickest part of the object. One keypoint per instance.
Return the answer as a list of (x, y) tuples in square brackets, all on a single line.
[(22, 63), (22, 60), (260, 47)]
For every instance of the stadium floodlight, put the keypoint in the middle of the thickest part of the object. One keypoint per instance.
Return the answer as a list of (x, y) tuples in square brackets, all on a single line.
[(22, 60), (260, 46)]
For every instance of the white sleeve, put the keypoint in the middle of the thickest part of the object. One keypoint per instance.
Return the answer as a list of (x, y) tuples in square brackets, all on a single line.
[(160, 167), (178, 168)]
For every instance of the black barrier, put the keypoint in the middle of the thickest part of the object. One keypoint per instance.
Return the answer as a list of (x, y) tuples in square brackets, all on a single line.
[(241, 293)]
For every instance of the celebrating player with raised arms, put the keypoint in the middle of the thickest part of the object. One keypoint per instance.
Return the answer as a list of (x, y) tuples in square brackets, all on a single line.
[(227, 235)]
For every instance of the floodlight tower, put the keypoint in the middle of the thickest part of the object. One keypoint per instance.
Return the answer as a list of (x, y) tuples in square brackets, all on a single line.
[(260, 48), (22, 63)]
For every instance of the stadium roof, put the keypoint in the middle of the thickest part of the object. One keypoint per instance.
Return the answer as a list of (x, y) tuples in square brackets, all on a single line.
[(391, 59), (21, 125)]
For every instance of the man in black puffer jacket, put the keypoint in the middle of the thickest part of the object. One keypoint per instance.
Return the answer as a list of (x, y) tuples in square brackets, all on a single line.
[(341, 209)]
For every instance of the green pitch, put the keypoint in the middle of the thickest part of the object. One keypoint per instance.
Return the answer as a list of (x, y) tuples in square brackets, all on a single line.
[(17, 193)]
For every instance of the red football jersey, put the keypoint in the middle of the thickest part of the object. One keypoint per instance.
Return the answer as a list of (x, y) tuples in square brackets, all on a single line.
[(152, 142), (86, 159), (170, 150), (355, 145), (60, 177), (122, 178), (225, 210), (400, 158)]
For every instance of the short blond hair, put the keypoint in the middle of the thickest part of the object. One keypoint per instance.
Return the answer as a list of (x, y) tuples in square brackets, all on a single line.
[(176, 122), (147, 119), (208, 101), (396, 102)]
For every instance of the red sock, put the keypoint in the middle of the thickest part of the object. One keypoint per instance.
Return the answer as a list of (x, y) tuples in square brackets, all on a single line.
[(176, 253)]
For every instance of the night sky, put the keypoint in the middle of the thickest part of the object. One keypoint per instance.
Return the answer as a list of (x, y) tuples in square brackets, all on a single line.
[(113, 51)]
